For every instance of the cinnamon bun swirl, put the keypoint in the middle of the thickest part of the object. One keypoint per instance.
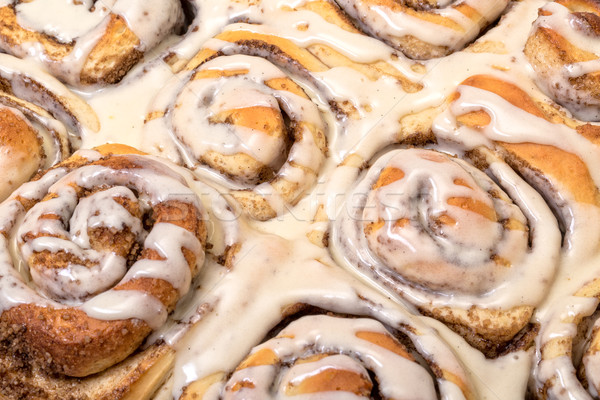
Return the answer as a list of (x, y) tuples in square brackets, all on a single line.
[(309, 49), (96, 252), (454, 251), (446, 237), (242, 118)]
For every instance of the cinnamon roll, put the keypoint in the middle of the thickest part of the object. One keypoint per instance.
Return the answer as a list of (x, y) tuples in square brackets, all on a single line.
[(424, 223), (95, 253), (87, 42), (424, 29), (242, 119), (563, 50), (446, 237), (41, 121)]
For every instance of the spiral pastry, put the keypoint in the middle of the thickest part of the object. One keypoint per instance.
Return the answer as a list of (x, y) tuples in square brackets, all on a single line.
[(442, 234), (87, 42), (40, 122), (242, 118), (104, 245), (424, 29), (563, 50)]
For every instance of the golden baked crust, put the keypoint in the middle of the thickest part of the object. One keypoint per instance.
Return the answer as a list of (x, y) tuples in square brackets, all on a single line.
[(41, 122), (374, 105), (312, 58)]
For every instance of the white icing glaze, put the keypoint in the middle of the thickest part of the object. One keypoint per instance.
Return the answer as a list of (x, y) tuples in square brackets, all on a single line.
[(161, 240), (211, 16), (474, 233), (67, 107), (365, 136), (529, 129), (356, 47), (592, 364), (132, 94), (54, 114), (554, 17), (559, 371), (151, 21), (124, 304), (190, 118)]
